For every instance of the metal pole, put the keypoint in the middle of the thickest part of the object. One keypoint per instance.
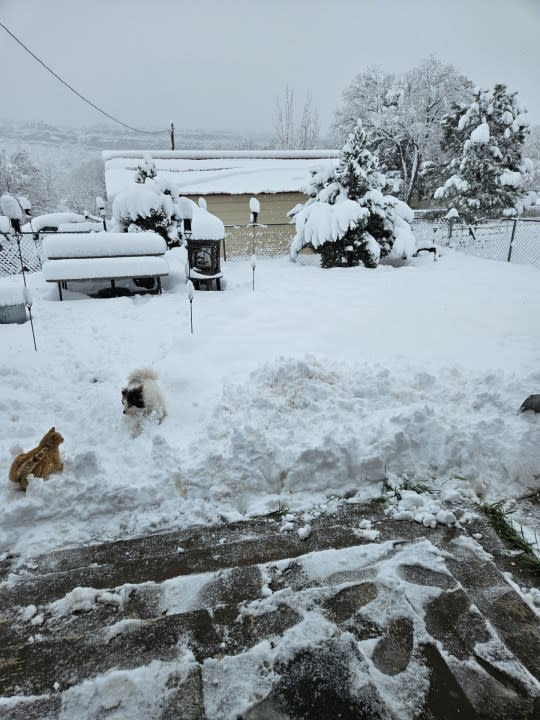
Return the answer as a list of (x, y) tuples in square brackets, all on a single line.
[(18, 239), (191, 313), (512, 240), (171, 135), (32, 326)]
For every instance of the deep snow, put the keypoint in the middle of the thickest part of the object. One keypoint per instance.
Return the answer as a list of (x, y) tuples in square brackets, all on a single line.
[(318, 383)]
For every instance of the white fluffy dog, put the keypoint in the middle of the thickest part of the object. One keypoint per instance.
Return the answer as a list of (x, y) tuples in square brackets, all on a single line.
[(142, 398)]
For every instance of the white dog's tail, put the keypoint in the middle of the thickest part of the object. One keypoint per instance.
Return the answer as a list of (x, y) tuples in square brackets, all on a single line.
[(139, 376)]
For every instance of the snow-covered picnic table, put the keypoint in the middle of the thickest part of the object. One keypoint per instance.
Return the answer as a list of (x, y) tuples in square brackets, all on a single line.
[(104, 256)]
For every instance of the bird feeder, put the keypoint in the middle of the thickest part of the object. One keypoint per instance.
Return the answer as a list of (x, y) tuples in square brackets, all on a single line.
[(255, 209)]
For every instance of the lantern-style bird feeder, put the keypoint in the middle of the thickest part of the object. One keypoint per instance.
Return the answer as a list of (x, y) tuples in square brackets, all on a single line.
[(254, 209)]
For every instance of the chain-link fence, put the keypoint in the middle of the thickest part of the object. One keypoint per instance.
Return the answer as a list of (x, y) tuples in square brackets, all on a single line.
[(10, 259), (514, 240), (508, 240), (271, 240)]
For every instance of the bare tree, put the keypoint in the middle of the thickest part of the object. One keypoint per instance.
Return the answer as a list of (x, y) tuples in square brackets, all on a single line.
[(50, 186), (284, 131), (287, 134), (86, 182), (20, 176), (309, 128)]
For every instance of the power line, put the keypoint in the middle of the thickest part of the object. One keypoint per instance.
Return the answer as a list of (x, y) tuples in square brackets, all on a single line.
[(86, 100)]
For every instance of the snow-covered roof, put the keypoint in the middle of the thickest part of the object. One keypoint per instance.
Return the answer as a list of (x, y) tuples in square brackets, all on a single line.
[(228, 172)]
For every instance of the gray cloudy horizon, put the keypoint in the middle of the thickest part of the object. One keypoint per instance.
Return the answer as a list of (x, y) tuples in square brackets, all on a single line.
[(214, 65)]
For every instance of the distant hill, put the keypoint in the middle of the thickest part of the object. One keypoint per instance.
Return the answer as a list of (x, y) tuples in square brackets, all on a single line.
[(70, 146)]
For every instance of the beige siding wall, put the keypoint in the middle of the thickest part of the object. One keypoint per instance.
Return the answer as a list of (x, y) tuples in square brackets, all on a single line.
[(234, 209)]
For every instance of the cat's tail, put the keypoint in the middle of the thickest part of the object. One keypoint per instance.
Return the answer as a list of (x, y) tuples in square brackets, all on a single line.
[(142, 374)]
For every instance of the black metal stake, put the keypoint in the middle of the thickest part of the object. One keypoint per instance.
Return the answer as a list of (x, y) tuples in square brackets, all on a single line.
[(18, 239), (512, 240), (253, 278), (191, 313), (32, 326)]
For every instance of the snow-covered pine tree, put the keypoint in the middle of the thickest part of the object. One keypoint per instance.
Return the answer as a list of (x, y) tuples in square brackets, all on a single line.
[(148, 205), (347, 219), (485, 173), (146, 170)]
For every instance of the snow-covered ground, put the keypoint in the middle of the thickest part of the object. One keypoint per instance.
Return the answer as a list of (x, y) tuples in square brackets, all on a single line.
[(317, 384)]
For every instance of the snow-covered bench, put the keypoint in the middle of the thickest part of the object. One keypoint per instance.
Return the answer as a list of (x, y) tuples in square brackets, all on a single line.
[(105, 256)]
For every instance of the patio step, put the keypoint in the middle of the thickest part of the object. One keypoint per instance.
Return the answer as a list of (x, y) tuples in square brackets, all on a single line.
[(332, 625)]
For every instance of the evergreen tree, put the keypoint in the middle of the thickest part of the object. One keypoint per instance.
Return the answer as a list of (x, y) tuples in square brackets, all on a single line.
[(485, 173), (347, 219), (146, 170)]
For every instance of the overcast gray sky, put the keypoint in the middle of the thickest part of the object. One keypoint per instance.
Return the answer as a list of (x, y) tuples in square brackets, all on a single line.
[(220, 64)]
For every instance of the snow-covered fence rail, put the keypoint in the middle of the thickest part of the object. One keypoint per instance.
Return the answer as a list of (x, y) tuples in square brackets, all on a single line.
[(513, 240)]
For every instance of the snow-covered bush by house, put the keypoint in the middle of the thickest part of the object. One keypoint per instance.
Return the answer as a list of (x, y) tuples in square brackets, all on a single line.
[(485, 175), (143, 207), (154, 202), (347, 218), (146, 170), (148, 205)]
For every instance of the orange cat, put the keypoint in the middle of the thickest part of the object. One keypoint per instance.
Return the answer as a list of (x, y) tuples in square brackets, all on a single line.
[(40, 461)]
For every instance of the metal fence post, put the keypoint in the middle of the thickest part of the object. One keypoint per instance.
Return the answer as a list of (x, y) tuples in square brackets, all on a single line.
[(512, 240)]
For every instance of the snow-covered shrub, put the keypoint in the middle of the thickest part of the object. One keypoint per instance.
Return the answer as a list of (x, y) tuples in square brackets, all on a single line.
[(149, 205), (347, 218), (146, 170), (485, 175), (142, 207)]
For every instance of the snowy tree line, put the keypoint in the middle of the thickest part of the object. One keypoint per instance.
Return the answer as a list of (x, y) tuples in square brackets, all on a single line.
[(49, 187), (408, 118)]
